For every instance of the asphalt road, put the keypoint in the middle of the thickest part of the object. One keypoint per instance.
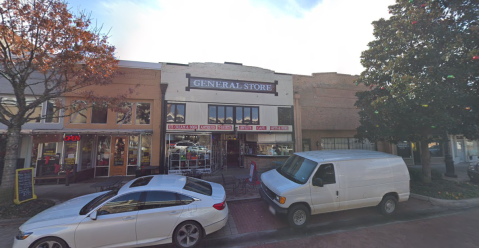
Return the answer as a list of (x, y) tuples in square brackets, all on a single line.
[(417, 224)]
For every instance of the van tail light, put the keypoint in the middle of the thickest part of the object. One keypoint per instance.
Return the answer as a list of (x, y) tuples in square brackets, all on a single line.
[(220, 206)]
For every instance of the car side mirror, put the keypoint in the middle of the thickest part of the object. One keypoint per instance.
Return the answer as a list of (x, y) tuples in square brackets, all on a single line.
[(93, 215), (318, 182)]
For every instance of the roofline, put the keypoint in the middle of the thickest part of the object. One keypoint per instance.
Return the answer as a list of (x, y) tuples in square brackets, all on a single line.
[(139, 65)]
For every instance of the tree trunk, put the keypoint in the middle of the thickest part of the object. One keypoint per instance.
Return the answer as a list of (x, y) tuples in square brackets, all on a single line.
[(11, 156), (426, 162)]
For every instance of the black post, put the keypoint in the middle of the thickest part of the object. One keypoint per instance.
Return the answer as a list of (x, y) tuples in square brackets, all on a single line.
[(448, 158), (164, 103)]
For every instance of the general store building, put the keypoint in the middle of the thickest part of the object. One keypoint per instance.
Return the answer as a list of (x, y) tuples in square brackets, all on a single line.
[(220, 116)]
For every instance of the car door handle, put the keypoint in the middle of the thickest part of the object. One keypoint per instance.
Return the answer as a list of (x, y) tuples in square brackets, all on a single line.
[(129, 218), (174, 212)]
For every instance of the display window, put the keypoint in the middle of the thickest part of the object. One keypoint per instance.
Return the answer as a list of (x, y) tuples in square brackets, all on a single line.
[(187, 152)]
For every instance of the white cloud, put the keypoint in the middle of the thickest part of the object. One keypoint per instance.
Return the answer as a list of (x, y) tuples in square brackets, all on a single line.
[(328, 37)]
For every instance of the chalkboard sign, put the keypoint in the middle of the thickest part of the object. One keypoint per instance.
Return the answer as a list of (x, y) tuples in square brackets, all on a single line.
[(24, 185)]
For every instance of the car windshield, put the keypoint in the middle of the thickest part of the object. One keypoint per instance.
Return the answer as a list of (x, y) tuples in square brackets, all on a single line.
[(297, 169), (98, 201)]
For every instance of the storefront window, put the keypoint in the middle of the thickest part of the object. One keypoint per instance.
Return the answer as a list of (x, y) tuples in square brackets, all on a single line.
[(285, 149), (255, 116), (229, 115), (70, 154), (53, 112), (435, 149), (145, 150), (132, 155), (125, 116), (472, 149), (142, 113), (103, 156), (79, 113), (86, 151), (186, 152), (99, 114)]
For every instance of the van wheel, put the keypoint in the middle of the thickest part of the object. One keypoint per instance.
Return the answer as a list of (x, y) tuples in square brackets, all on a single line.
[(298, 216), (388, 205)]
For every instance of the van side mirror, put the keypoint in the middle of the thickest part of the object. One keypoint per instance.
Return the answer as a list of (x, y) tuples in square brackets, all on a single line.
[(318, 182), (93, 215)]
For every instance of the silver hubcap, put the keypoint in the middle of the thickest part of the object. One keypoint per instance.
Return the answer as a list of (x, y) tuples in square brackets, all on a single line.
[(299, 217), (188, 235), (390, 206), (49, 244)]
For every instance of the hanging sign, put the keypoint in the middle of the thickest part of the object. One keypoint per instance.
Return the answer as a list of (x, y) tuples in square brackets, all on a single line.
[(261, 128), (245, 127), (24, 185), (221, 127), (207, 127)]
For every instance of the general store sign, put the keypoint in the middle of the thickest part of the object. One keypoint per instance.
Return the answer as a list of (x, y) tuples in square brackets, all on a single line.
[(230, 85)]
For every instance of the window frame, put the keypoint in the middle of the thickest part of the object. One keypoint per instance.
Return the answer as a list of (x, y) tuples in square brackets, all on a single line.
[(144, 195), (75, 113), (234, 115), (176, 113), (292, 116), (138, 204), (324, 181), (125, 115)]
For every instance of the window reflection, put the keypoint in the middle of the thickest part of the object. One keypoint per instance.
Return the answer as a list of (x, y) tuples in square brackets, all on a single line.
[(142, 113), (229, 115), (124, 117), (79, 112), (239, 115), (221, 114)]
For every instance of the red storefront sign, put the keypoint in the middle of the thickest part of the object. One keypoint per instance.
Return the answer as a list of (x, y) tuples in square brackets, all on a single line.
[(184, 127), (245, 127), (261, 128), (72, 137), (220, 127), (278, 128), (207, 127)]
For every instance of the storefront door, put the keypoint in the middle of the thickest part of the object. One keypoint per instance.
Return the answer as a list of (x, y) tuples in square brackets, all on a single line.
[(232, 152), (119, 161)]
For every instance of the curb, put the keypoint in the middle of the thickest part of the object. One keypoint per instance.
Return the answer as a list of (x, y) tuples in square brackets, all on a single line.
[(456, 204)]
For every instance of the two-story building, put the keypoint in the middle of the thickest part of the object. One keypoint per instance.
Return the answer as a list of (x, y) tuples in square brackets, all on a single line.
[(98, 139), (225, 115)]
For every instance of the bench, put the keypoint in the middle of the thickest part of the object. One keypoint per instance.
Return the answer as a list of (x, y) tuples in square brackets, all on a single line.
[(110, 183), (52, 177)]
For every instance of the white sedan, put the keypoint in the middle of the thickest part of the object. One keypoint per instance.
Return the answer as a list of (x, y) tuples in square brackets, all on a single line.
[(146, 211)]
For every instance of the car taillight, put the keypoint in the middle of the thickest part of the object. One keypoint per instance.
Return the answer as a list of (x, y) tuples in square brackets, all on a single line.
[(220, 206)]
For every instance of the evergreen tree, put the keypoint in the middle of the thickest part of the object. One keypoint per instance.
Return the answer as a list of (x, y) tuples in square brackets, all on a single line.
[(423, 72)]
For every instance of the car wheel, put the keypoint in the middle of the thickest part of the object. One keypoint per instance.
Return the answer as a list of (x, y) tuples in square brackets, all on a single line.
[(298, 216), (187, 234), (388, 205), (50, 242)]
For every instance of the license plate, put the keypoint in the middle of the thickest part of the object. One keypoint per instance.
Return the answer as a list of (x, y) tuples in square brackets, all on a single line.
[(271, 209)]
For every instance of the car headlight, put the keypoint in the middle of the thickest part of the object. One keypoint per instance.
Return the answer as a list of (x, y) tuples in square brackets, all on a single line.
[(23, 235)]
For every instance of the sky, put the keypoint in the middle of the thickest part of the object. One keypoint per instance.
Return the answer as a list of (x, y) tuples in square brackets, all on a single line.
[(287, 36)]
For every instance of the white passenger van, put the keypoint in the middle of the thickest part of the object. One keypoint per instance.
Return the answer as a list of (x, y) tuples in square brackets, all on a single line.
[(325, 181)]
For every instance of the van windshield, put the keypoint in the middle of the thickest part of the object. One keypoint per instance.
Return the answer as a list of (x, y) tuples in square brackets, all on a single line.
[(297, 169)]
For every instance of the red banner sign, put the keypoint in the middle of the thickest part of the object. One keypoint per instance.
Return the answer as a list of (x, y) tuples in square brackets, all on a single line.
[(72, 137), (184, 127), (207, 127), (245, 127), (278, 128), (261, 128), (220, 127)]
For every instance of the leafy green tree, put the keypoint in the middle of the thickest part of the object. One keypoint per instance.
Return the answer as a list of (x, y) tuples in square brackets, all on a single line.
[(423, 72)]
